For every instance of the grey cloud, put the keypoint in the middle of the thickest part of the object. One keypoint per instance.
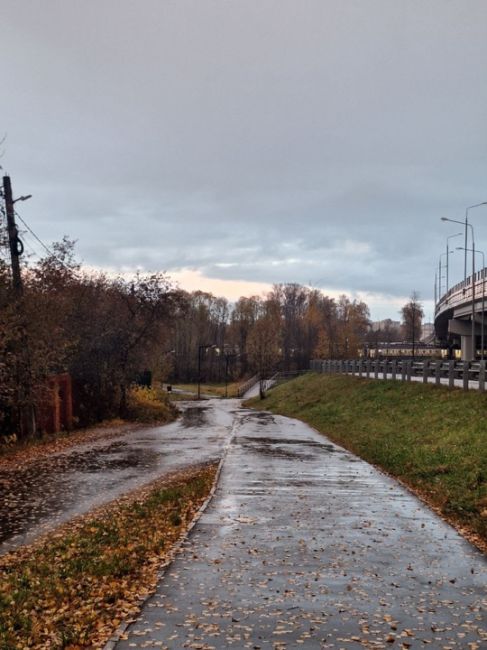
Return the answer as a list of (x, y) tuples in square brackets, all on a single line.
[(251, 140)]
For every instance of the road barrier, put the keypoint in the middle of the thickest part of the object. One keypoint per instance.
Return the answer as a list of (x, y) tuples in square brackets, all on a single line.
[(469, 375)]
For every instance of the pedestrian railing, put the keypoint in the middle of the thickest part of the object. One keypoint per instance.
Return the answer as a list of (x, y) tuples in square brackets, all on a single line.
[(466, 374), (284, 375), (247, 385)]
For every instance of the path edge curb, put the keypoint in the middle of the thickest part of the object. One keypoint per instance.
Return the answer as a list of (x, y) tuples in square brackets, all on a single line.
[(123, 627)]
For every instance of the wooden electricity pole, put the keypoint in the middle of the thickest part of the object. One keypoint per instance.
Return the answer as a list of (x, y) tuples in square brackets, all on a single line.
[(26, 412), (16, 247)]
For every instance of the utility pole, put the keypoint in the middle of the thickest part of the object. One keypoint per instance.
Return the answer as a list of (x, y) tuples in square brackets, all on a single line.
[(16, 246), (26, 412), (413, 309)]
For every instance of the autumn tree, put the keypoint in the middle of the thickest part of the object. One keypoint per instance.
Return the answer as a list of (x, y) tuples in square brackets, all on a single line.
[(103, 331), (352, 325), (323, 310), (243, 318), (412, 317), (264, 341), (199, 319)]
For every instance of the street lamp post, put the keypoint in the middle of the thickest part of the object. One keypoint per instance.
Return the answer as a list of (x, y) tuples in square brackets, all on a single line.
[(465, 224), (448, 257), (228, 356), (441, 276), (227, 360), (200, 348), (473, 265), (413, 306), (476, 251)]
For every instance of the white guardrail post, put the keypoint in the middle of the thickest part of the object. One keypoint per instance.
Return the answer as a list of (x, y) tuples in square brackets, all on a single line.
[(482, 376), (451, 374), (438, 373), (466, 367), (409, 367), (471, 374)]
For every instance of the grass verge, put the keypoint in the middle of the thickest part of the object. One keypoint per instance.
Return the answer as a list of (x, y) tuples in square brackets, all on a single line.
[(74, 588), (432, 438), (215, 390)]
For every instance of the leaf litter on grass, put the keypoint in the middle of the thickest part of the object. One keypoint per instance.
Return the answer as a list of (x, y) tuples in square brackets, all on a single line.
[(73, 588)]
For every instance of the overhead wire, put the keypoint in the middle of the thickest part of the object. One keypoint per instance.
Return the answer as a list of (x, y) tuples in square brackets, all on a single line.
[(28, 241), (34, 235)]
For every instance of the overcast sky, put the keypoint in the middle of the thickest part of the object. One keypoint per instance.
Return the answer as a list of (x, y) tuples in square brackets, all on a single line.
[(238, 143)]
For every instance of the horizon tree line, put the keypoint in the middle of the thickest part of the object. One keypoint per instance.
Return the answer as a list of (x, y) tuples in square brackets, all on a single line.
[(104, 331)]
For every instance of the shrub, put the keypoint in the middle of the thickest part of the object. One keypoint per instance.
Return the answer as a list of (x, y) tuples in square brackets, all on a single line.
[(150, 405)]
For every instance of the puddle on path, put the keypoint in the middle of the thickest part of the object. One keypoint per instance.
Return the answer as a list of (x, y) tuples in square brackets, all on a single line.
[(31, 494), (292, 448), (36, 497), (194, 416), (259, 417)]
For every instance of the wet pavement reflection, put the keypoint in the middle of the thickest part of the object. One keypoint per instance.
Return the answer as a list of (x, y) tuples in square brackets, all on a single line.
[(305, 545), (37, 497)]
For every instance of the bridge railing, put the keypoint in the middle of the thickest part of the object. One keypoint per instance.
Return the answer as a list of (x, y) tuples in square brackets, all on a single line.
[(462, 292), (469, 375)]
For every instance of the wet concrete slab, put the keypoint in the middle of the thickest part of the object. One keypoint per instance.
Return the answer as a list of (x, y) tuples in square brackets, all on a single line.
[(37, 497), (304, 545)]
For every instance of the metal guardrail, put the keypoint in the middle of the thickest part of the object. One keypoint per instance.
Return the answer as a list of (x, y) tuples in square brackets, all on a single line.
[(441, 373)]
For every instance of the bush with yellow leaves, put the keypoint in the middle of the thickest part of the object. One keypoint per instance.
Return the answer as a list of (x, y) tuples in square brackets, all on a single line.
[(150, 405)]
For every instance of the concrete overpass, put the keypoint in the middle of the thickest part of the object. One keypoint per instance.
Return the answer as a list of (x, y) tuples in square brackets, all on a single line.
[(455, 311)]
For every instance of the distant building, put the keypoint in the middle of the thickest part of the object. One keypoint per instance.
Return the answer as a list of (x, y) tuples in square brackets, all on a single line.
[(427, 332), (386, 324)]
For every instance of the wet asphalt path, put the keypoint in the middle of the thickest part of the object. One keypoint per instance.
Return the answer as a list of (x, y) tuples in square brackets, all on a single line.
[(52, 490), (304, 545)]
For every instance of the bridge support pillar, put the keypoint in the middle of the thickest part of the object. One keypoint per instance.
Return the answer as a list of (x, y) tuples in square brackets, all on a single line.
[(467, 348), (463, 329)]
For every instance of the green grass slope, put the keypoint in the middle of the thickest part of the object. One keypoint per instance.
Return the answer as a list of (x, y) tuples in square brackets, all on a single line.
[(432, 438)]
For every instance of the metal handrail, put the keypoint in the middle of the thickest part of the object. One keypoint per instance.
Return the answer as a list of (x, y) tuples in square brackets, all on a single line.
[(243, 388)]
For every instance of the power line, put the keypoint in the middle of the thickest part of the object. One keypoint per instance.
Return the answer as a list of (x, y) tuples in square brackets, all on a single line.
[(34, 235), (29, 243)]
